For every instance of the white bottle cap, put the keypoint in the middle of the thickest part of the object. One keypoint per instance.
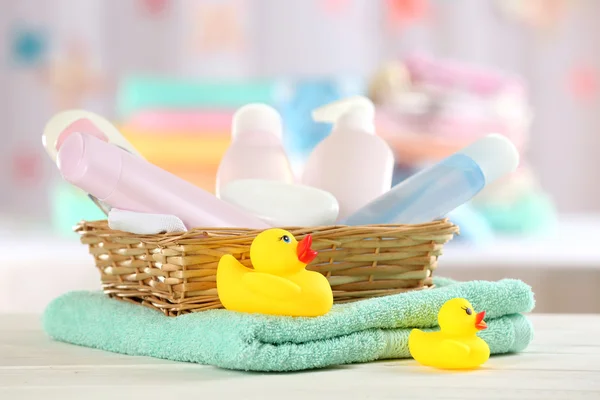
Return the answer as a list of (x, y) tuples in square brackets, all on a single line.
[(355, 113), (495, 154), (256, 117), (61, 125)]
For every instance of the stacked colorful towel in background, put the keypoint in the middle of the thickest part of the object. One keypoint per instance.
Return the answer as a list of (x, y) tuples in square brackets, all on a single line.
[(429, 108), (184, 126)]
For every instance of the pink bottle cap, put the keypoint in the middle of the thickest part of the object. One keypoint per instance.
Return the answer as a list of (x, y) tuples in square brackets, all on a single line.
[(82, 125)]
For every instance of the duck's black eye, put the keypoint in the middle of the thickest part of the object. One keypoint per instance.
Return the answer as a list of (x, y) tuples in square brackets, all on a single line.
[(468, 310), (286, 238)]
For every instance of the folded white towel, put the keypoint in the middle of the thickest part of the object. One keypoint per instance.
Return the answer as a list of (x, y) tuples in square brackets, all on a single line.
[(143, 223)]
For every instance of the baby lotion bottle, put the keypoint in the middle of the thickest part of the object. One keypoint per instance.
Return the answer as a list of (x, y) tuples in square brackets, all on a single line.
[(256, 150), (435, 191), (127, 182), (352, 163)]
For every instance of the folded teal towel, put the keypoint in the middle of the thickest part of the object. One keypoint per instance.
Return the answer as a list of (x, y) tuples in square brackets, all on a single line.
[(354, 332)]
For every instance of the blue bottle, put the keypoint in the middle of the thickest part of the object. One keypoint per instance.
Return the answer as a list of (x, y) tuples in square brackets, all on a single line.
[(302, 134), (435, 191)]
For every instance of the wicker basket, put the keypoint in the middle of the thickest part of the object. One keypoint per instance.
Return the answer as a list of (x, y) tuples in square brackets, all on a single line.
[(176, 273)]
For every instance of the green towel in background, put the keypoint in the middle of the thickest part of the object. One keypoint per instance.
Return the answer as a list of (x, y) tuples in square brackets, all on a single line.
[(138, 93), (70, 205), (363, 331), (533, 213)]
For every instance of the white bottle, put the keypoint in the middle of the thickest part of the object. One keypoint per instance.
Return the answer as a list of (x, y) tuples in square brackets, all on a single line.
[(256, 150), (352, 163)]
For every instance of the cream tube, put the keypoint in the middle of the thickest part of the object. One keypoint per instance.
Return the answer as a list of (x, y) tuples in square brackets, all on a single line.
[(127, 182)]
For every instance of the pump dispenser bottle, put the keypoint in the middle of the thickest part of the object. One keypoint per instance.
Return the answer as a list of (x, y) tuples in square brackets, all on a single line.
[(256, 150), (352, 163)]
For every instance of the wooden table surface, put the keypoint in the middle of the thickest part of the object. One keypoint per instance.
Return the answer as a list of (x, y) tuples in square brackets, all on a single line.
[(563, 362)]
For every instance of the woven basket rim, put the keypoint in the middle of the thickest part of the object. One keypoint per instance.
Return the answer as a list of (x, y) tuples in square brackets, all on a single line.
[(101, 228)]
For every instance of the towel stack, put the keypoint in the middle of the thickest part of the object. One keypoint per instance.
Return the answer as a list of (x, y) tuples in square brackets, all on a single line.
[(366, 330), (184, 126)]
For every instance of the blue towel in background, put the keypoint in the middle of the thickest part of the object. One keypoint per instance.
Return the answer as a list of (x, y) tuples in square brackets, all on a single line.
[(363, 331), (302, 133)]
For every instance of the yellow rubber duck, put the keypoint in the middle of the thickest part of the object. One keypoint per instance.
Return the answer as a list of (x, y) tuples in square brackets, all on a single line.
[(279, 284), (456, 345)]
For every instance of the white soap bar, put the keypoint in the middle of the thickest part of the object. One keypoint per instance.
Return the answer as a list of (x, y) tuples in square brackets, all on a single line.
[(144, 223), (282, 204)]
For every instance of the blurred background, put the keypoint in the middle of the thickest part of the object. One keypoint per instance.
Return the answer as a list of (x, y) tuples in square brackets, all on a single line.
[(170, 74)]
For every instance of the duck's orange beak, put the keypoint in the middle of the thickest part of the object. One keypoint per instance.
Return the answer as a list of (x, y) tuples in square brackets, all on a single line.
[(304, 252), (479, 322)]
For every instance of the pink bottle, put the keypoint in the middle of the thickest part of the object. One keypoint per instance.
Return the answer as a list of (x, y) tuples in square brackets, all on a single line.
[(127, 182), (256, 151)]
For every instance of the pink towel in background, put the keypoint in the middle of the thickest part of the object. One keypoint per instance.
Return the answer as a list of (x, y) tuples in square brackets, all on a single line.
[(181, 121), (477, 79)]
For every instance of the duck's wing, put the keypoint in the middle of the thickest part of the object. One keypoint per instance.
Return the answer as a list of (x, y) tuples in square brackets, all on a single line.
[(231, 264), (271, 285), (416, 338), (450, 346), (454, 348)]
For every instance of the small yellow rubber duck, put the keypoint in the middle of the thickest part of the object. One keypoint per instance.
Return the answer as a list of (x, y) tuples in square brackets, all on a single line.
[(279, 284), (456, 345)]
